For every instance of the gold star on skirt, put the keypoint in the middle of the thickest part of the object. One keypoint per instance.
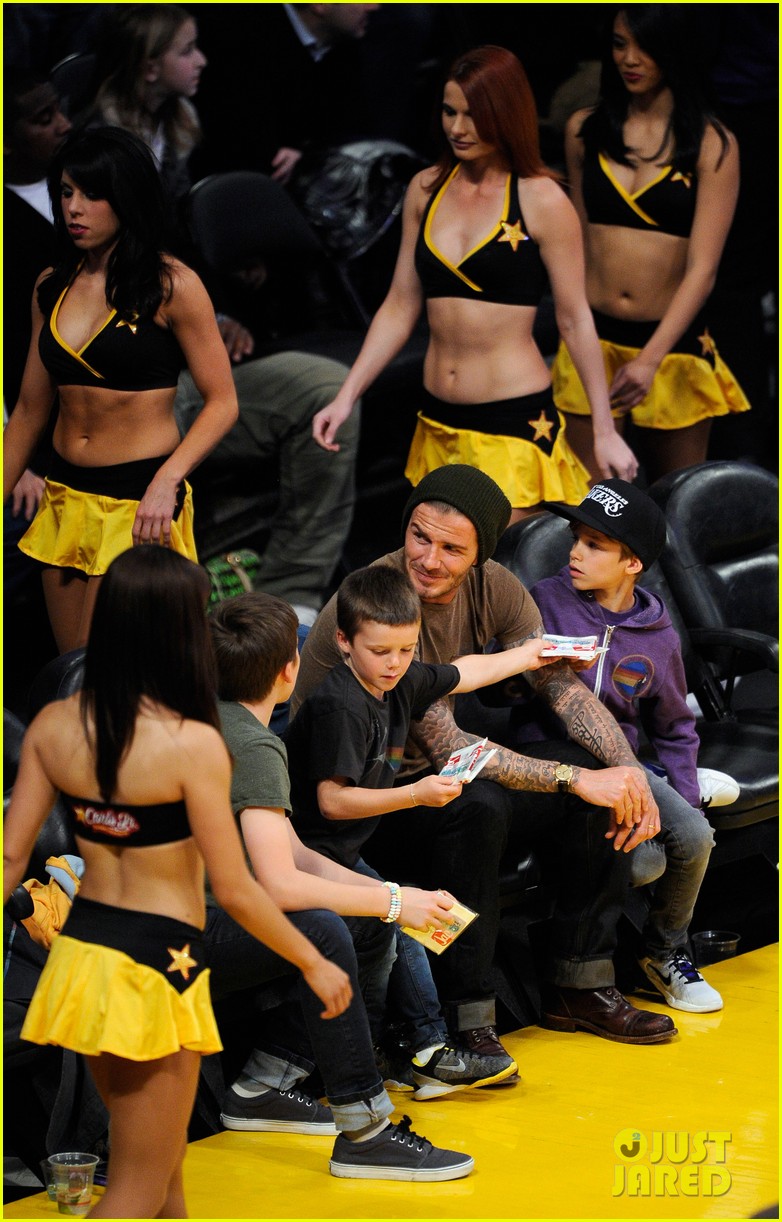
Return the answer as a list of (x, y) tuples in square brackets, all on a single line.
[(182, 961), (542, 427)]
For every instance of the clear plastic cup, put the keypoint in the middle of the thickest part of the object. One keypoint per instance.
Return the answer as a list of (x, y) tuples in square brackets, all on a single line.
[(713, 945), (73, 1176), (47, 1175)]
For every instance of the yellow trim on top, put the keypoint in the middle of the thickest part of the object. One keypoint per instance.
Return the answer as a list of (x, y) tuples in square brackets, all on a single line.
[(77, 356), (629, 198), (453, 267)]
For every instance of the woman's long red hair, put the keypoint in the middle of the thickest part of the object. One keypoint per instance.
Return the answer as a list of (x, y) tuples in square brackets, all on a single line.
[(502, 108)]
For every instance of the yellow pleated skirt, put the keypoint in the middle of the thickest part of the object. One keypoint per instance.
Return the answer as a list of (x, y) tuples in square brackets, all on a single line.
[(688, 387), (145, 1001), (86, 531), (533, 463)]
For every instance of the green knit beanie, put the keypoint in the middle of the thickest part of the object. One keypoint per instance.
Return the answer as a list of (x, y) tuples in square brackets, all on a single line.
[(471, 492)]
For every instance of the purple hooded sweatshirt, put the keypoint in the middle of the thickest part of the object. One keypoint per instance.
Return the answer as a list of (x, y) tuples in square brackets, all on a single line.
[(640, 679)]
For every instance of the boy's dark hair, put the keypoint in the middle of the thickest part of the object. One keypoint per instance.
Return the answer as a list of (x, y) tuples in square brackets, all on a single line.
[(378, 593), (254, 637)]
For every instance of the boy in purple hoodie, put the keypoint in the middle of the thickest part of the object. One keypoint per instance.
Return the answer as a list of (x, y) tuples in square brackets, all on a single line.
[(618, 531)]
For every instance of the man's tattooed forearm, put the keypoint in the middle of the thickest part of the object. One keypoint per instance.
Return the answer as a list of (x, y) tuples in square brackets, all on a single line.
[(520, 771), (585, 735), (437, 734), (587, 721)]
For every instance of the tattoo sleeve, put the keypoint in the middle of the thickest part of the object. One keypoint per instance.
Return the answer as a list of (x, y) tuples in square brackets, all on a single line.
[(438, 736), (587, 721)]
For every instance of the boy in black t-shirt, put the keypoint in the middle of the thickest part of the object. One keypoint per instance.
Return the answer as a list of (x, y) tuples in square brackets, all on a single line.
[(345, 747)]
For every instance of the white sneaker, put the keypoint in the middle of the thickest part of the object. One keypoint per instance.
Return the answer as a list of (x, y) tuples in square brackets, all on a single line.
[(681, 984), (717, 788)]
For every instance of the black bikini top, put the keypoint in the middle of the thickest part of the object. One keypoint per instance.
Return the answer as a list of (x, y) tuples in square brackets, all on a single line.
[(666, 204), (121, 824), (122, 355), (506, 267)]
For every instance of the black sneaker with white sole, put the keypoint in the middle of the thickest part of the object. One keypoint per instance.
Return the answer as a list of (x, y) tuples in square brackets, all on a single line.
[(397, 1153), (450, 1069), (277, 1112)]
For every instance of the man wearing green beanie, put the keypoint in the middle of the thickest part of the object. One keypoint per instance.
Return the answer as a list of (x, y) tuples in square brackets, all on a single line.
[(591, 784)]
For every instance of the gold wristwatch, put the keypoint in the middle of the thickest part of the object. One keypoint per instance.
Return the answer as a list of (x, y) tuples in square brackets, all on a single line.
[(564, 774)]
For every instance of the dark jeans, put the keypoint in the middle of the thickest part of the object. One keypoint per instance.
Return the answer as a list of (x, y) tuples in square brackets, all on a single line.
[(591, 877), (294, 1033), (459, 847), (408, 988)]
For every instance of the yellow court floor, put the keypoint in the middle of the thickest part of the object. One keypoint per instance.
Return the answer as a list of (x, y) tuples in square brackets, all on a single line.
[(594, 1130)]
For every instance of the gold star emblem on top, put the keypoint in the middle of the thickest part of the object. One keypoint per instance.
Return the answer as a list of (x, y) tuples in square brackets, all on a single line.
[(706, 343), (513, 234), (131, 324), (182, 961), (679, 177), (542, 427)]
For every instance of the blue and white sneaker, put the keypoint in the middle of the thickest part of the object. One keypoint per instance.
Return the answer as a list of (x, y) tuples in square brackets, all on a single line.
[(680, 983)]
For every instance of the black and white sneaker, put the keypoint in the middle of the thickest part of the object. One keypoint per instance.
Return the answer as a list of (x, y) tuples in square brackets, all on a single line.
[(277, 1112), (450, 1069), (394, 1067), (397, 1153)]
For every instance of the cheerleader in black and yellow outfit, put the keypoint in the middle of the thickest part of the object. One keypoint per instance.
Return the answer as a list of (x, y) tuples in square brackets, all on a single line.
[(114, 322), (125, 983), (655, 181), (484, 234)]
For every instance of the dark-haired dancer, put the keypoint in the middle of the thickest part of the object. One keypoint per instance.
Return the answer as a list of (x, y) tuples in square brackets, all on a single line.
[(114, 321), (145, 776), (655, 180), (484, 232)]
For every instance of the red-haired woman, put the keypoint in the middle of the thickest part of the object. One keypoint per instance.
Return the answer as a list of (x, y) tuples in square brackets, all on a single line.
[(484, 232)]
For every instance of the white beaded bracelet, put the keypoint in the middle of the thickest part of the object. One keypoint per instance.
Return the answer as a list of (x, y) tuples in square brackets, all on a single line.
[(395, 904)]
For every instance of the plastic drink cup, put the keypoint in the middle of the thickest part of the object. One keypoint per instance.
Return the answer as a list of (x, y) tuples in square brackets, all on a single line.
[(47, 1175), (73, 1175), (713, 945)]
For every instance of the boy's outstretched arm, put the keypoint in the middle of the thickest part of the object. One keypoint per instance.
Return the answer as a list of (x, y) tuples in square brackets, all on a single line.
[(481, 669)]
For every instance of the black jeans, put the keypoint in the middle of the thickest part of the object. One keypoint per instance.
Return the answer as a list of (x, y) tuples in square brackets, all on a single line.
[(457, 847), (460, 846), (293, 1033), (591, 877)]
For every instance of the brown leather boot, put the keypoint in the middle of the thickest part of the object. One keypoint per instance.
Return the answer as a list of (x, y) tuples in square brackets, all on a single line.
[(604, 1012)]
